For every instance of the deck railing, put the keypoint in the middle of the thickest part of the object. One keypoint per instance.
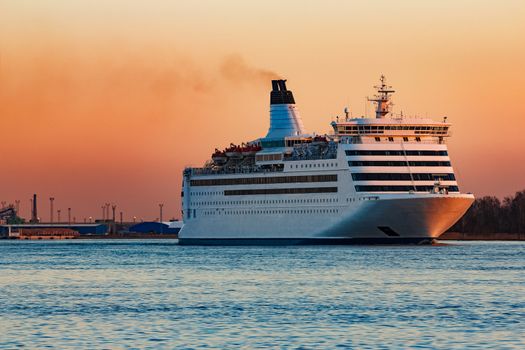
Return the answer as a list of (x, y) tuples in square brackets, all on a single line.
[(241, 170)]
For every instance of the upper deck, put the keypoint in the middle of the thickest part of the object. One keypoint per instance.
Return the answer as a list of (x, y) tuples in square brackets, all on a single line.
[(287, 143), (387, 124), (403, 127)]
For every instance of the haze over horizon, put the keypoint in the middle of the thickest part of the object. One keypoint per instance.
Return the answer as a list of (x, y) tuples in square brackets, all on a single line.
[(109, 101)]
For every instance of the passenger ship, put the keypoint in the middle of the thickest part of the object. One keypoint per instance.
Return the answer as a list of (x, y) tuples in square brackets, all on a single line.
[(386, 179)]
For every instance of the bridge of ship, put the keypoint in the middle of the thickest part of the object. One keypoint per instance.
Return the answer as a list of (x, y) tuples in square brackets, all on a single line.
[(398, 129)]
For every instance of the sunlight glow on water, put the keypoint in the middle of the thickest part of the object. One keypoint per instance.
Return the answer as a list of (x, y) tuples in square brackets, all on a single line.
[(156, 294)]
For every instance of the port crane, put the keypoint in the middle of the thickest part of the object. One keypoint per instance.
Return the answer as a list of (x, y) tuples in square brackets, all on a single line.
[(7, 213)]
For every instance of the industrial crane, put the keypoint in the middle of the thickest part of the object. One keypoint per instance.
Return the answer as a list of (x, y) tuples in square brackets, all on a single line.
[(7, 213)]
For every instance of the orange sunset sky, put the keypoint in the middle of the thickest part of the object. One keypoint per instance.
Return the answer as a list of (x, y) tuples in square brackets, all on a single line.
[(108, 101)]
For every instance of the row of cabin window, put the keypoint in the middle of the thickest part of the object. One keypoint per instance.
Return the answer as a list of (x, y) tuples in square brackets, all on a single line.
[(362, 199), (268, 157), (267, 191), (394, 127), (207, 193), (272, 144), (395, 153), (402, 177), (264, 180), (391, 139), (274, 201), (375, 132), (258, 212), (314, 165), (391, 188), (397, 163)]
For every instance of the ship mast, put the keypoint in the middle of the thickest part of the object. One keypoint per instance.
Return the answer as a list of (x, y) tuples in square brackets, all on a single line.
[(382, 99)]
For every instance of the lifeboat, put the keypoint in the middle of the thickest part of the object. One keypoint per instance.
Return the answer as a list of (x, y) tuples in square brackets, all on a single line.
[(233, 151), (250, 150), (245, 149), (319, 140), (219, 157)]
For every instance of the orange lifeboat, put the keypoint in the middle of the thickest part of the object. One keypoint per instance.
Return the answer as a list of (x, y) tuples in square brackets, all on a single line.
[(219, 157), (319, 140), (250, 150), (233, 151)]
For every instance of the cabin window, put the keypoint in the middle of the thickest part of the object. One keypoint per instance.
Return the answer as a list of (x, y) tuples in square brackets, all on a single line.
[(378, 139), (418, 139), (405, 139), (391, 139)]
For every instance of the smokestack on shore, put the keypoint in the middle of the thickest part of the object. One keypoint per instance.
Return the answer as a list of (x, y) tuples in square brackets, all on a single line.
[(34, 214)]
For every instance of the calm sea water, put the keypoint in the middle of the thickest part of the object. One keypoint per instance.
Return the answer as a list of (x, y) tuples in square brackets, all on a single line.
[(156, 294)]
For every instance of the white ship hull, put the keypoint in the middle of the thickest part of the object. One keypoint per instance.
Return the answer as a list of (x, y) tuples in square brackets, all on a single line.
[(408, 218)]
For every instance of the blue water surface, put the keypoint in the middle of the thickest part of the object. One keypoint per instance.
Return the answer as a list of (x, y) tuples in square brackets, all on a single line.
[(155, 294)]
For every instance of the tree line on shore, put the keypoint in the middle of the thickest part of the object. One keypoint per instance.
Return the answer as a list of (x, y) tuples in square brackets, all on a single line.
[(490, 215)]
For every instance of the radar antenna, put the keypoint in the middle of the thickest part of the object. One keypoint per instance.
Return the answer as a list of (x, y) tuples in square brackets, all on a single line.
[(382, 99)]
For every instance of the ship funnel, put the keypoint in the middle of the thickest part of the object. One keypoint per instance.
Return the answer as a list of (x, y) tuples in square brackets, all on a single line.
[(279, 94), (284, 115)]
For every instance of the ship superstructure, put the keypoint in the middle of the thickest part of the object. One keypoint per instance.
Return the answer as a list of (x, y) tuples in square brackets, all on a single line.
[(387, 179)]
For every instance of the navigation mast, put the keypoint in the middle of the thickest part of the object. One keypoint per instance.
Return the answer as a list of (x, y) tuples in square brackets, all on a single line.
[(382, 99)]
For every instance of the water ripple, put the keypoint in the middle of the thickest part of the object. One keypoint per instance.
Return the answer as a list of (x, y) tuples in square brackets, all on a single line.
[(156, 294)]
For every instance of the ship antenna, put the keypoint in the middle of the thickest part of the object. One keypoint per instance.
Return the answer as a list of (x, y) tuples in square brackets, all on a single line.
[(382, 98)]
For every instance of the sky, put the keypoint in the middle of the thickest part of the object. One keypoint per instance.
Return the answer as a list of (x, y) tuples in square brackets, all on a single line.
[(108, 101)]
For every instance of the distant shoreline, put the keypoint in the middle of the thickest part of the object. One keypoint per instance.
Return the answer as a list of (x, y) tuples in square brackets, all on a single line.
[(461, 236), (131, 236)]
